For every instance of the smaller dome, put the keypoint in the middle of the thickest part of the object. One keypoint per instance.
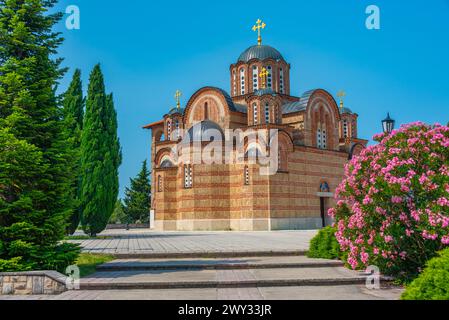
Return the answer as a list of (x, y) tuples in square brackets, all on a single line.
[(260, 52), (346, 111), (175, 111), (205, 131), (265, 91)]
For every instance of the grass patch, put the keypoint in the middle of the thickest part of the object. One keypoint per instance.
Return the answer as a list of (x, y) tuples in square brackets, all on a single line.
[(88, 262)]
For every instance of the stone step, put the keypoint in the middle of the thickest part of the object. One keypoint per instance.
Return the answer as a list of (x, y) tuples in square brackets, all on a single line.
[(243, 278), (218, 264), (206, 254)]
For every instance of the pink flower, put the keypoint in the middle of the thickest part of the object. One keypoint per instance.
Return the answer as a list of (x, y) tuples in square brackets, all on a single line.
[(396, 199), (445, 240)]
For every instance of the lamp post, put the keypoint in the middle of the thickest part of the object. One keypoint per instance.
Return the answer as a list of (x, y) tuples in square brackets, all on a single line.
[(388, 124)]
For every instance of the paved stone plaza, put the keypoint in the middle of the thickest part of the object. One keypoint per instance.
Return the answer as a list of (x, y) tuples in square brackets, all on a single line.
[(144, 241), (216, 266)]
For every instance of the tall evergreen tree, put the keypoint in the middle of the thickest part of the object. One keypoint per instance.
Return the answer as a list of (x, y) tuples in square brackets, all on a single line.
[(137, 197), (73, 104), (100, 157), (34, 158)]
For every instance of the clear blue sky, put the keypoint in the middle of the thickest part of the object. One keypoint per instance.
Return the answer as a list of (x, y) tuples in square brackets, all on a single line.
[(148, 49)]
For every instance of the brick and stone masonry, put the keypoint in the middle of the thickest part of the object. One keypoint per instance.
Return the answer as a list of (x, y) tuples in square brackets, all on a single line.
[(316, 140)]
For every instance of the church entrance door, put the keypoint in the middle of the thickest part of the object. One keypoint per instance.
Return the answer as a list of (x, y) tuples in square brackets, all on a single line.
[(323, 211)]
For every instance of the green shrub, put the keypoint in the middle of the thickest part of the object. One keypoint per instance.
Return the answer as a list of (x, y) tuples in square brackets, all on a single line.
[(433, 282), (324, 245)]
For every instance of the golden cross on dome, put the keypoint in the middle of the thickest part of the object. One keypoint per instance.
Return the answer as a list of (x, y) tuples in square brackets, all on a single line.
[(178, 96), (341, 94), (263, 75), (259, 25)]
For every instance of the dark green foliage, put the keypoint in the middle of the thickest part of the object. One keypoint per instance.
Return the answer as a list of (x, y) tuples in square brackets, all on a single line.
[(324, 245), (34, 158), (137, 197), (433, 282), (118, 216), (73, 107), (100, 157)]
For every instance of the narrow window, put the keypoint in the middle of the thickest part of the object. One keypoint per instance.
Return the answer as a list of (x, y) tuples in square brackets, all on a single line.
[(255, 115), (206, 111), (279, 159), (169, 130), (324, 139), (255, 78), (345, 129), (281, 80), (269, 78), (242, 81), (234, 87), (159, 184), (188, 176), (318, 138), (177, 129), (246, 175), (267, 113)]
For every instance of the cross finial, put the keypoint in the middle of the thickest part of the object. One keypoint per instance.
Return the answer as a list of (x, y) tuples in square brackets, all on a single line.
[(263, 76), (259, 25), (341, 94), (178, 96)]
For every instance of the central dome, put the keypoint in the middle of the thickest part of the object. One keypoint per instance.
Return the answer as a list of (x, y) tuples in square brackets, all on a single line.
[(261, 52)]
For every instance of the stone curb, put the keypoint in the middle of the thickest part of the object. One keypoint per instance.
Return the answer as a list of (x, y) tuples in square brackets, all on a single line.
[(218, 266), (227, 284), (212, 254)]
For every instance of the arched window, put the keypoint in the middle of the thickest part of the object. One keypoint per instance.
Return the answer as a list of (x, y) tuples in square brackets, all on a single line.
[(234, 86), (159, 184), (354, 129), (246, 175), (324, 138), (281, 80), (318, 139), (255, 114), (188, 176), (177, 129), (242, 81), (267, 113), (321, 140), (169, 130), (255, 78), (269, 78), (206, 111), (345, 129), (282, 159)]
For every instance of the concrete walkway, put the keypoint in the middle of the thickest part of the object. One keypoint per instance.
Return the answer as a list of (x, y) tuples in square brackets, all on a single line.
[(349, 292), (144, 242)]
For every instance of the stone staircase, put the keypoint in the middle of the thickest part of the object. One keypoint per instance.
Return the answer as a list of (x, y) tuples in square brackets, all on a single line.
[(223, 270)]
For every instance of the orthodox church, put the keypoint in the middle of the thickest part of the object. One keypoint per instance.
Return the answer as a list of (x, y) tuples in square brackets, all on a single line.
[(316, 138)]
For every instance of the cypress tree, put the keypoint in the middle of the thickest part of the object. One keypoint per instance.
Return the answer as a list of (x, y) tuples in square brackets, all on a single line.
[(34, 158), (137, 197), (73, 104), (100, 157)]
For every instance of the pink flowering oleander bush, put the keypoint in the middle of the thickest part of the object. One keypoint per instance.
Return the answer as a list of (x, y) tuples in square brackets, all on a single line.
[(393, 205)]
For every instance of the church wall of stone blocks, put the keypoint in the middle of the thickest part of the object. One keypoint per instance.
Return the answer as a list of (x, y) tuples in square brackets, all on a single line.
[(316, 138)]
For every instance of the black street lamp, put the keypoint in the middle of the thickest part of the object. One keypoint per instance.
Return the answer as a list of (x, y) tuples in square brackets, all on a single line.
[(388, 124)]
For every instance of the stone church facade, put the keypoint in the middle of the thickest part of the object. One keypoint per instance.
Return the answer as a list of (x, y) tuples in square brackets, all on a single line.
[(316, 138)]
